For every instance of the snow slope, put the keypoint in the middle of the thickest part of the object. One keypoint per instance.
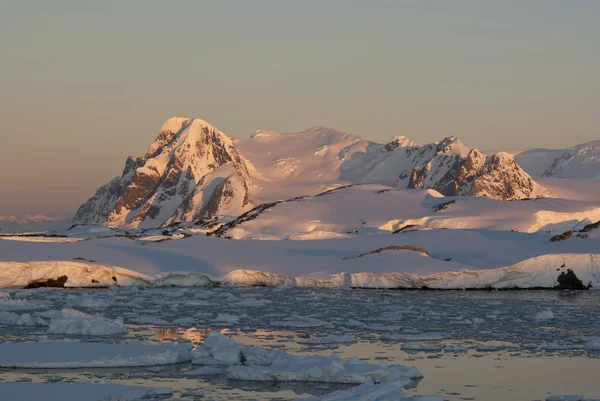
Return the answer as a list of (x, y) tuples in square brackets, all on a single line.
[(285, 165), (571, 188), (375, 209), (317, 158), (202, 261)]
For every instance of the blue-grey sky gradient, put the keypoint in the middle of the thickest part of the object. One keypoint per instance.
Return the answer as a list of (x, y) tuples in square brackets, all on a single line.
[(84, 84)]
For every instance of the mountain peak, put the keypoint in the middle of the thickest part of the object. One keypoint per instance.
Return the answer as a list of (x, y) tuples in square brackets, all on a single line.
[(177, 170), (398, 142)]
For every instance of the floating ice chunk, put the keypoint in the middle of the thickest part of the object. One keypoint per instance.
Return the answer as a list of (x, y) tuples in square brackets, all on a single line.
[(413, 337), (257, 364), (75, 354), (9, 304), (328, 340), (317, 368), (555, 346), (148, 320), (354, 323), (25, 319), (217, 350), (75, 322), (184, 321), (76, 392), (193, 394), (455, 348), (253, 302), (226, 318), (89, 303), (591, 343), (300, 321), (566, 398), (490, 348), (421, 347), (544, 315), (203, 371), (369, 391), (383, 327)]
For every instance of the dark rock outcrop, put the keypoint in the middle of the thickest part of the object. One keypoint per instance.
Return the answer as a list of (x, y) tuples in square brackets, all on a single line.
[(561, 237), (53, 283), (569, 281)]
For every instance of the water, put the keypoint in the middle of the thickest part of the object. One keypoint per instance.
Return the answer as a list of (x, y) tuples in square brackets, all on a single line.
[(504, 358)]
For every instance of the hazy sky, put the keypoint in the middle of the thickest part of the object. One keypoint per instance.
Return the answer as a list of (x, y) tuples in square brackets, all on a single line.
[(84, 84)]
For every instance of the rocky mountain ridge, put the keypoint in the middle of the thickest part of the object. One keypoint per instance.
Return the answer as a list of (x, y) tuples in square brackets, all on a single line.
[(193, 172)]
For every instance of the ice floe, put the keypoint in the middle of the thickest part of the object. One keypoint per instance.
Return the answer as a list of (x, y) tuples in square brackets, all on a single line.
[(74, 322), (369, 391), (76, 354), (76, 392), (328, 340), (257, 364)]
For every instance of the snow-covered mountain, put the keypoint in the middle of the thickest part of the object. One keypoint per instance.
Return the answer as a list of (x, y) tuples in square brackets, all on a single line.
[(578, 162), (319, 158), (34, 223), (192, 171), (452, 169)]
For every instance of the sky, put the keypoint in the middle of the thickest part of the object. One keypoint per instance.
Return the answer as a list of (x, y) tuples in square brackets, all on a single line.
[(84, 84)]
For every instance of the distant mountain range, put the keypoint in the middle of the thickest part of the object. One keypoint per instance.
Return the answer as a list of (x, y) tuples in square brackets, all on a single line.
[(194, 172), (581, 162), (34, 223)]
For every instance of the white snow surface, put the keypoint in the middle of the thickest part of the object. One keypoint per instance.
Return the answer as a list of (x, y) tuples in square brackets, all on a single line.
[(76, 354), (475, 258), (374, 209)]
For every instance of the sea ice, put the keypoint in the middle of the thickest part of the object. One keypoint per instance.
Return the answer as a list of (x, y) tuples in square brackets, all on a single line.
[(328, 340), (257, 364), (369, 391), (76, 392), (71, 321), (544, 315), (300, 321), (76, 354), (413, 337)]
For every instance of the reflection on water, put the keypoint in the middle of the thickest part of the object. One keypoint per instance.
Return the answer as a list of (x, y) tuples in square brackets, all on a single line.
[(176, 334)]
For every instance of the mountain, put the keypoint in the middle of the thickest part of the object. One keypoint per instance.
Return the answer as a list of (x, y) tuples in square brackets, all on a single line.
[(322, 157), (35, 223), (578, 162), (192, 171), (452, 169)]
